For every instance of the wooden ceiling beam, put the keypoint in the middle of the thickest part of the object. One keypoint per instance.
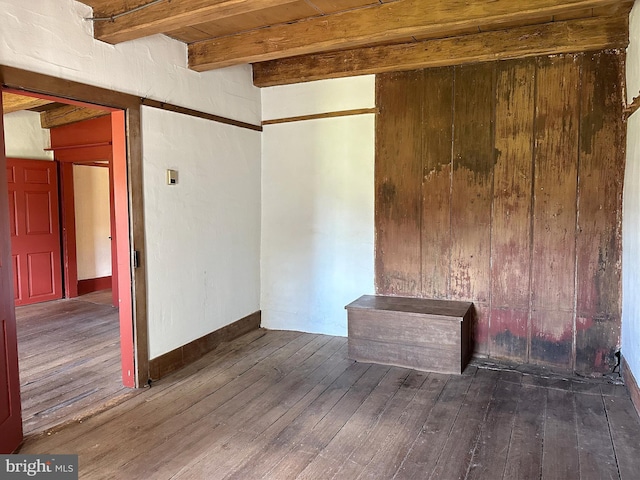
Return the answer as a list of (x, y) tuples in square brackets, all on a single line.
[(15, 103), (552, 38), (113, 7), (382, 23), (169, 16), (69, 114)]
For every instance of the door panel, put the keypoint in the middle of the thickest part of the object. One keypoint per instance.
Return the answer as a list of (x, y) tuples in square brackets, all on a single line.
[(41, 280), (16, 278), (35, 240), (38, 213), (10, 414)]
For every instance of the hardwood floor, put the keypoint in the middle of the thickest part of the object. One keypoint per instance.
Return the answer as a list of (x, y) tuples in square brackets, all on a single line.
[(69, 357), (282, 405)]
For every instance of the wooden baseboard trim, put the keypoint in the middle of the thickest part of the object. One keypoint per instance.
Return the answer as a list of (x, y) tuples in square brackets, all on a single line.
[(182, 356), (631, 383), (93, 285)]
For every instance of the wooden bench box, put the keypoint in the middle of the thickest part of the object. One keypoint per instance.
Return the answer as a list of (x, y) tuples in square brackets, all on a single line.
[(431, 335)]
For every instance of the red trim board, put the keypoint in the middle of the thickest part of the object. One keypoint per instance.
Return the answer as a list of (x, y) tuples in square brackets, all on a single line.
[(93, 285)]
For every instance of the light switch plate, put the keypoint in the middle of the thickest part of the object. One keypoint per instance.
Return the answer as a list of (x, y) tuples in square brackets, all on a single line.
[(172, 177)]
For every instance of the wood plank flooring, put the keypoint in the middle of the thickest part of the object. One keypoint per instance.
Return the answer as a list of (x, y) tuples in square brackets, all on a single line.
[(280, 405), (69, 358)]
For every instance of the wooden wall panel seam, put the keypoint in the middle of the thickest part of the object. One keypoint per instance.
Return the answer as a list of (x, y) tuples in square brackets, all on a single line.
[(577, 226), (453, 133), (421, 204), (532, 220), (492, 196)]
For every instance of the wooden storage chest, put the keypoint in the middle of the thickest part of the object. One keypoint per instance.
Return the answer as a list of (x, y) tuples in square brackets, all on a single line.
[(425, 334)]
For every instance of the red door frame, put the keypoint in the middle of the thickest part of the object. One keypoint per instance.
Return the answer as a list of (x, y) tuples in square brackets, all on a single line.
[(83, 143), (114, 245), (123, 246), (122, 233), (68, 224), (10, 407)]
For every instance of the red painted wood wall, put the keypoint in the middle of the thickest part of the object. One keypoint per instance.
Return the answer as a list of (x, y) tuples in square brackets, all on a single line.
[(501, 183)]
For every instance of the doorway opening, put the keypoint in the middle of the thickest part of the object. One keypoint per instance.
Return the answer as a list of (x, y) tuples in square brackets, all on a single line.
[(76, 353)]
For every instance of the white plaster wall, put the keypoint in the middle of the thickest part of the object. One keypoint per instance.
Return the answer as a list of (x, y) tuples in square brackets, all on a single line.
[(631, 210), (317, 208), (24, 138), (52, 37), (203, 234), (93, 221)]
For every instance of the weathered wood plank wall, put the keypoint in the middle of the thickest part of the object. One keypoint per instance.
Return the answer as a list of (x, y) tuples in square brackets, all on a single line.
[(501, 183), (399, 168), (599, 241), (554, 209), (511, 219)]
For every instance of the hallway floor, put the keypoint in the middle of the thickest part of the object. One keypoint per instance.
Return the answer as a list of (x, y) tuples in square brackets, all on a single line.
[(69, 358)]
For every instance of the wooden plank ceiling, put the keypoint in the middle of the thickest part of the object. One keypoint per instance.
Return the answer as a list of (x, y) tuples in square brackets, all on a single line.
[(334, 38), (52, 114)]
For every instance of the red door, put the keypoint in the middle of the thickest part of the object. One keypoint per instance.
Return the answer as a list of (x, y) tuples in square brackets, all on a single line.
[(10, 414), (35, 230)]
